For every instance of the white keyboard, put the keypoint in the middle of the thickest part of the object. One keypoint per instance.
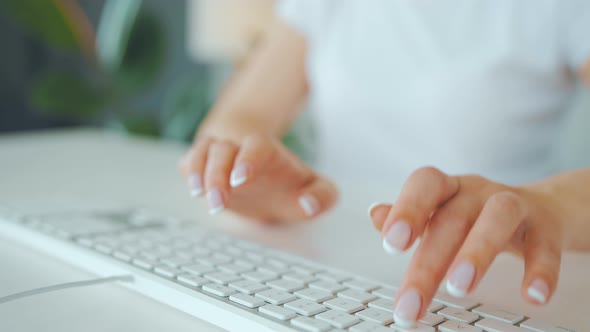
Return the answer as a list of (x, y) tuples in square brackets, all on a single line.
[(239, 285)]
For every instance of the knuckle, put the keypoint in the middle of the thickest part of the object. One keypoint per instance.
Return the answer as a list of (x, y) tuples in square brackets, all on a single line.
[(430, 173), (507, 202), (485, 245)]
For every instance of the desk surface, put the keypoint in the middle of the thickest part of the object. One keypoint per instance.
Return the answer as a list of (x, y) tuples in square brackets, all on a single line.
[(78, 169)]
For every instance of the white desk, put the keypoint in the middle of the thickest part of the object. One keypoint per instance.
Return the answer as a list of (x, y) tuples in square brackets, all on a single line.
[(91, 169)]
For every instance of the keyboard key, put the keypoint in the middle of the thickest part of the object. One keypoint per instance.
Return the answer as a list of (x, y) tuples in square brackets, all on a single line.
[(286, 285), (155, 254), (348, 306), (310, 324), (453, 326), (385, 292), (434, 306), (332, 277), (144, 263), (376, 316), (234, 268), (175, 261), (277, 312), (275, 296), (213, 260), (246, 300), (247, 286), (431, 319), (305, 269), (105, 249), (168, 272), (338, 319), (450, 301), (305, 278), (218, 290), (192, 280), (305, 307), (259, 276), (540, 326), (383, 304), (360, 285), (489, 311), (254, 257), (198, 269), (273, 269), (316, 295), (458, 315), (222, 278), (122, 255), (327, 286), (492, 325), (370, 327), (416, 328), (358, 296)]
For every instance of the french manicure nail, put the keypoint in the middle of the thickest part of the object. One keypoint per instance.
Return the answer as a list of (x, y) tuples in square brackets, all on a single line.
[(238, 176), (195, 184), (309, 204), (461, 279), (538, 290), (407, 309), (397, 237), (215, 201), (373, 206)]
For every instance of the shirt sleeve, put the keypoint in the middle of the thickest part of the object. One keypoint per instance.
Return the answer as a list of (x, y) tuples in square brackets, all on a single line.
[(574, 31)]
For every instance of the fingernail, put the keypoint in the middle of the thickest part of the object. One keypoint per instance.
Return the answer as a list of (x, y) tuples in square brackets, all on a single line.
[(195, 184), (538, 290), (372, 207), (238, 176), (397, 238), (460, 279), (309, 204), (407, 309), (215, 201)]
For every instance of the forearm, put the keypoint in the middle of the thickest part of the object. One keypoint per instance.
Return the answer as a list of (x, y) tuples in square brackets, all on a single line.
[(264, 97), (568, 194)]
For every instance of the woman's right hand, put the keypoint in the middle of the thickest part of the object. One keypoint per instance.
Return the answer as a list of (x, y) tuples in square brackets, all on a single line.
[(258, 178)]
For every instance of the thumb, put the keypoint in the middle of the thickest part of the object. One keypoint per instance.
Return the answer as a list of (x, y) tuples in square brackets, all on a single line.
[(317, 197)]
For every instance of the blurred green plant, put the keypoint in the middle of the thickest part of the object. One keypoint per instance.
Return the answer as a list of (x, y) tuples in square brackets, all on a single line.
[(124, 57)]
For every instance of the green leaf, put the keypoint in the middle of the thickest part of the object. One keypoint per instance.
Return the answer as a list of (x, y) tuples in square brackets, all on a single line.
[(144, 56), (185, 106), (44, 18), (67, 94), (114, 29), (130, 45)]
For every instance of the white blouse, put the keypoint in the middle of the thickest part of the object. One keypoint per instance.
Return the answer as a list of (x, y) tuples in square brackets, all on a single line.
[(469, 86)]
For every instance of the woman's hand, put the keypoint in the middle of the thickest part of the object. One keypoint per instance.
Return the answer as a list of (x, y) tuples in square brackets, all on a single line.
[(464, 222), (258, 178)]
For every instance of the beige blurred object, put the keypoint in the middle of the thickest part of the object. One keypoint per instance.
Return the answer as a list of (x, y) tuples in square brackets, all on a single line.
[(222, 30)]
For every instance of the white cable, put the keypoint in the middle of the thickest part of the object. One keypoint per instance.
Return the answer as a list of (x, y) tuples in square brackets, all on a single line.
[(74, 284)]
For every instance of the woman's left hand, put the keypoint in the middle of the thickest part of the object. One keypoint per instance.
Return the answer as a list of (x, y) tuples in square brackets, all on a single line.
[(464, 222)]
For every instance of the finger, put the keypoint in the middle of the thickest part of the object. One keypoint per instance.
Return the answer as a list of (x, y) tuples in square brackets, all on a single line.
[(422, 194), (542, 262), (316, 197), (220, 159), (255, 152), (192, 165), (501, 215), (440, 243), (378, 213)]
